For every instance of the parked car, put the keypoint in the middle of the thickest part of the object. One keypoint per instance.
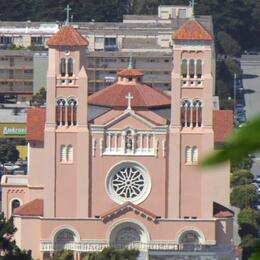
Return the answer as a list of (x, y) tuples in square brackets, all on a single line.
[(257, 178)]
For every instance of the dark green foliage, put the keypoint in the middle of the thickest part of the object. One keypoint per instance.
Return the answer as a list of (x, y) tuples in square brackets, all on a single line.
[(256, 249), (227, 45), (8, 151), (113, 254), (40, 97), (63, 255), (244, 196), (8, 248), (241, 177)]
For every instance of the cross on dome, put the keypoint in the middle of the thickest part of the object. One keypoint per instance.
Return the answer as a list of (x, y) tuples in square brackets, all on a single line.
[(129, 97), (67, 9)]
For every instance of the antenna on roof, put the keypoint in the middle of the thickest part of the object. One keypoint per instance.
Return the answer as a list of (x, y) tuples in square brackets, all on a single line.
[(130, 65), (192, 5), (67, 9)]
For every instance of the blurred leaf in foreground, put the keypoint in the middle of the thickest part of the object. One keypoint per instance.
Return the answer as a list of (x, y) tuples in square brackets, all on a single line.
[(245, 140)]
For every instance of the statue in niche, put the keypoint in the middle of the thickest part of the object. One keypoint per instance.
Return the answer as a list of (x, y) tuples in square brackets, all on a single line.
[(129, 141)]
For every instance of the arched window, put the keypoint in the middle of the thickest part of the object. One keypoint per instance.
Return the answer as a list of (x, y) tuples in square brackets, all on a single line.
[(63, 239), (70, 67), (63, 67), (60, 111), (188, 154), (63, 153), (72, 111), (197, 114), (199, 68), (15, 204), (186, 113), (192, 68), (184, 68), (189, 240), (70, 153), (194, 154)]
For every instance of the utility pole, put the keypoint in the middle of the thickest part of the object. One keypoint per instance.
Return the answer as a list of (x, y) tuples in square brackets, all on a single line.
[(235, 93)]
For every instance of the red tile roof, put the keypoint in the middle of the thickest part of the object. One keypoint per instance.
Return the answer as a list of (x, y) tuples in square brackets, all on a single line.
[(222, 124), (67, 36), (193, 30), (32, 208), (130, 73), (35, 124), (143, 96), (220, 211), (128, 206)]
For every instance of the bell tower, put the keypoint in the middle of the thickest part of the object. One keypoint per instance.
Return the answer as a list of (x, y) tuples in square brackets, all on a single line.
[(191, 130), (66, 179)]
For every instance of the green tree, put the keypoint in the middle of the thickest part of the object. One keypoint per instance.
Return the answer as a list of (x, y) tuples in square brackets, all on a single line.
[(244, 196), (228, 45), (39, 98), (241, 177), (8, 248), (63, 255), (244, 141), (8, 152), (113, 254)]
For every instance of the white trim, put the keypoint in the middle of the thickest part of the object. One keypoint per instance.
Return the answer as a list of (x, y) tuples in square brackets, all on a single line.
[(64, 227), (117, 224), (202, 239), (147, 181)]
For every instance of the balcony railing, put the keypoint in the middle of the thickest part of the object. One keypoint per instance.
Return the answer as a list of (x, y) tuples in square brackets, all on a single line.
[(92, 246)]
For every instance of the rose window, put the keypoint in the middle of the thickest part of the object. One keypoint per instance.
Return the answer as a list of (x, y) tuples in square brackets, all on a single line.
[(128, 182)]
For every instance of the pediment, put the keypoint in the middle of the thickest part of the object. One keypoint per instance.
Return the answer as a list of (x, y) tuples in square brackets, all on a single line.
[(125, 209), (129, 120)]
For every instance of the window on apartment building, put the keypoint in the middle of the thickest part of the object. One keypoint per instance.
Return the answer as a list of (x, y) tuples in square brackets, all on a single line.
[(5, 40), (28, 71), (110, 44), (166, 60), (182, 13), (99, 39), (36, 40)]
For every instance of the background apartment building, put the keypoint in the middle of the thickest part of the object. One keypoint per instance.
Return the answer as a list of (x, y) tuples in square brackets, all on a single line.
[(148, 38)]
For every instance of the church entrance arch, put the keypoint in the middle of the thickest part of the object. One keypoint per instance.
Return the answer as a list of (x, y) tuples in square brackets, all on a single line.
[(128, 235)]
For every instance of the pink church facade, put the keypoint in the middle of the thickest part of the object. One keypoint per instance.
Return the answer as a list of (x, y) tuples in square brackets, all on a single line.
[(120, 168)]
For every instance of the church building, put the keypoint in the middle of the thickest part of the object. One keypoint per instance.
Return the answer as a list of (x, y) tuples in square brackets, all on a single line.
[(121, 167)]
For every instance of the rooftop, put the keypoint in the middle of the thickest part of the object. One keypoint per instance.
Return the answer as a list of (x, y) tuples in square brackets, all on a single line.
[(32, 208), (192, 30), (67, 36)]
